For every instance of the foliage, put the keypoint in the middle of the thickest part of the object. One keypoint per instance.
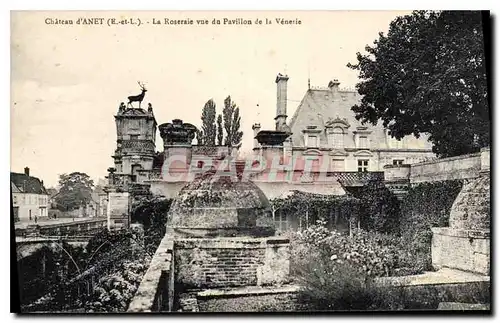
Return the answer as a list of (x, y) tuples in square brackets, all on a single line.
[(318, 207), (114, 291), (151, 212), (220, 130), (372, 254), (76, 189), (428, 75), (209, 129), (231, 117), (426, 205), (379, 208), (331, 283)]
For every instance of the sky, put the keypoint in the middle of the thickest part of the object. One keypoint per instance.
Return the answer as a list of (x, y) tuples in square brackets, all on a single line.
[(67, 81)]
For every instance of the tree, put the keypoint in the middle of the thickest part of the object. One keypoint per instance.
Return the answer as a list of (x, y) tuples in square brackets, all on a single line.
[(231, 117), (220, 130), (428, 75), (208, 127), (75, 191)]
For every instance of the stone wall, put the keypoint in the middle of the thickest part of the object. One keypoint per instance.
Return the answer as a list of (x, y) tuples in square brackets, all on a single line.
[(444, 169), (230, 262), (461, 249)]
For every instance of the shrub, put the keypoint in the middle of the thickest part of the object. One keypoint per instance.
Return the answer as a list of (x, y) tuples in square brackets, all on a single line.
[(375, 254), (331, 284)]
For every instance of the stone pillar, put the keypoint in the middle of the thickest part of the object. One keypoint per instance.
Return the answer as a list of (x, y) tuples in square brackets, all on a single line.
[(118, 209), (485, 160), (256, 129)]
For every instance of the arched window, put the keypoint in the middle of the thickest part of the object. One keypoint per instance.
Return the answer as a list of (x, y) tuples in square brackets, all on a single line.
[(338, 138)]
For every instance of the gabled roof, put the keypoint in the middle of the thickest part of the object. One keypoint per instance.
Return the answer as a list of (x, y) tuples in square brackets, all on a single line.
[(322, 105), (27, 184), (14, 188)]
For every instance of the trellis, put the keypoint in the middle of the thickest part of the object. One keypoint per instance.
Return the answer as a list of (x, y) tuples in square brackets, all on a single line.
[(302, 204)]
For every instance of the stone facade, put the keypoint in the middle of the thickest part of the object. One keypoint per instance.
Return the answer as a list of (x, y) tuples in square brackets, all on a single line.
[(135, 151), (324, 127)]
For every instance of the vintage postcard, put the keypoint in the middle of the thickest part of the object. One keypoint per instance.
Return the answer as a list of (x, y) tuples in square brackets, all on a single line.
[(250, 161)]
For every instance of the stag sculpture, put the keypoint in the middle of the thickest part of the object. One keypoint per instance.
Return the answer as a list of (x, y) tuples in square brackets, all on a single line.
[(137, 98)]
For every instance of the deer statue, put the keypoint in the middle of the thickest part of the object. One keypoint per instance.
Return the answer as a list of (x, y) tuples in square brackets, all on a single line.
[(137, 98)]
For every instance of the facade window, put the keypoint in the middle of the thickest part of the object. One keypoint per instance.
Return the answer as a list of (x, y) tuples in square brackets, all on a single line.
[(338, 138), (134, 137), (312, 141), (280, 221), (338, 165), (363, 142), (397, 162), (362, 165)]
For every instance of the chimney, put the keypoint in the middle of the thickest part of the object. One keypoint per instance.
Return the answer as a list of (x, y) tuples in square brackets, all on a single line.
[(334, 85), (281, 81), (27, 171), (256, 129)]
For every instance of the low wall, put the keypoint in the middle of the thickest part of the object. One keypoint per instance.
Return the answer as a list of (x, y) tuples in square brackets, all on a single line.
[(230, 262), (260, 299), (156, 291), (461, 249), (458, 167)]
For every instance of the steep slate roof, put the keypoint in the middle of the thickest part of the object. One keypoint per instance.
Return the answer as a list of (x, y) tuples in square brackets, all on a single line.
[(27, 184), (320, 105)]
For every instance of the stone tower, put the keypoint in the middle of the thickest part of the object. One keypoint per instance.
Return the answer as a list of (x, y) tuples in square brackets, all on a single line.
[(135, 144)]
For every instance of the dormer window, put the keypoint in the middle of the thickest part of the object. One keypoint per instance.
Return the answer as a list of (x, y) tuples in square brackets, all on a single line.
[(312, 141), (311, 136), (336, 138), (363, 142), (361, 137), (336, 129)]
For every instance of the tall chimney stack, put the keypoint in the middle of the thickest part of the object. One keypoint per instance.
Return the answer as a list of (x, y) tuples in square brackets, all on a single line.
[(27, 171), (281, 82)]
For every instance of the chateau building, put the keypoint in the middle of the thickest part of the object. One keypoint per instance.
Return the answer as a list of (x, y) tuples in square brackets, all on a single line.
[(30, 199), (323, 135)]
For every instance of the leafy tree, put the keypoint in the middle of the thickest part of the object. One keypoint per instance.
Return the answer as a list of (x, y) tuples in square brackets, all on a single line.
[(231, 117), (428, 75), (75, 191), (208, 127), (220, 130)]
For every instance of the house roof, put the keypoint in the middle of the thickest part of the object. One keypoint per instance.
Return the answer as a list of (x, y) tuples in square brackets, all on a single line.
[(27, 184), (322, 105)]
